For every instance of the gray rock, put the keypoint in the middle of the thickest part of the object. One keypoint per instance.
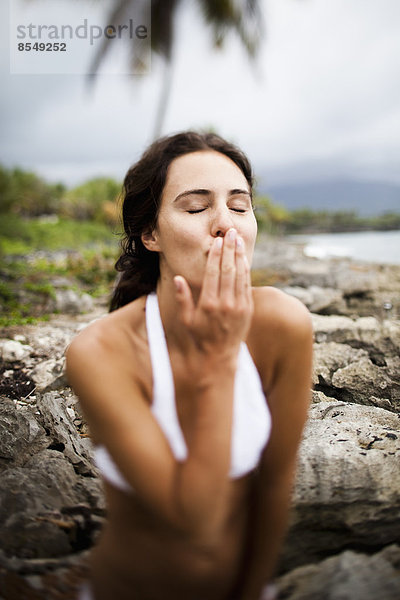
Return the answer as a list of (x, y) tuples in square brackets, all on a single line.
[(49, 375), (12, 351), (363, 375), (319, 300), (47, 508), (391, 331), (318, 397), (49, 342), (303, 294), (332, 328), (20, 338), (311, 272), (348, 576), (347, 492), (63, 433), (331, 356), (327, 300), (272, 252), (380, 339), (366, 383), (367, 289), (21, 436), (69, 301), (353, 279), (35, 503), (346, 497)]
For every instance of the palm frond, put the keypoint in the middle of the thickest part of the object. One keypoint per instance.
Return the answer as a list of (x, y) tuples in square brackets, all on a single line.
[(116, 15), (242, 17), (162, 26), (162, 29)]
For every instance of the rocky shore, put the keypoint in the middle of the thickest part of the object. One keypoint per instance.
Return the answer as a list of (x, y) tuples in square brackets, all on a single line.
[(344, 537)]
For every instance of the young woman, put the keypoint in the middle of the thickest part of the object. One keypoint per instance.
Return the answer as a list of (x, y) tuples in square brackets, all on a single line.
[(195, 387)]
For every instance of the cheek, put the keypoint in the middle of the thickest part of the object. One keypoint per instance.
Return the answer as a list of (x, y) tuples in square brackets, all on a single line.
[(177, 233), (250, 236), (189, 241), (250, 232)]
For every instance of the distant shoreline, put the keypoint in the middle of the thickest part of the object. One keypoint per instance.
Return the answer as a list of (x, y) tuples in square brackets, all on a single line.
[(321, 231), (378, 247)]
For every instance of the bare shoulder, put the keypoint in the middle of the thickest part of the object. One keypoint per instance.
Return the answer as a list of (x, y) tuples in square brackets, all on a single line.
[(97, 336), (281, 336), (108, 367), (276, 312), (106, 338)]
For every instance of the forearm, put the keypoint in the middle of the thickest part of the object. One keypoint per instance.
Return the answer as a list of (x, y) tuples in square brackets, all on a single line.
[(267, 534), (207, 340), (202, 479), (288, 399)]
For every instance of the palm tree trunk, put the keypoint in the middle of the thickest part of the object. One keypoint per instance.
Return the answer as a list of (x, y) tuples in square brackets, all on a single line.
[(163, 99)]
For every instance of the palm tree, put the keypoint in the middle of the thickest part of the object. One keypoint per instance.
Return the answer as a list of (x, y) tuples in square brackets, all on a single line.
[(241, 17)]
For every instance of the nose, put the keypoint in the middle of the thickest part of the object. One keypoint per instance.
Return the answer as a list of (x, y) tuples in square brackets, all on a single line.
[(221, 221)]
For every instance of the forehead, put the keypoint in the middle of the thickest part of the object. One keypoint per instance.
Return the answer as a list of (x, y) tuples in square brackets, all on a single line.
[(204, 169)]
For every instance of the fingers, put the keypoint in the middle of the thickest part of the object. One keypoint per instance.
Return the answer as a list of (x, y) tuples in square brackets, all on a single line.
[(228, 267), (185, 300), (227, 275), (222, 314), (235, 271), (242, 281), (211, 282)]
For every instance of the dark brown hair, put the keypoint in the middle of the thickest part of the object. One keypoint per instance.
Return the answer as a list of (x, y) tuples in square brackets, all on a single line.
[(142, 191)]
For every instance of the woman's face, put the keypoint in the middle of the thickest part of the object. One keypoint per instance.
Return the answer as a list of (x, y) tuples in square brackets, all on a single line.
[(205, 194)]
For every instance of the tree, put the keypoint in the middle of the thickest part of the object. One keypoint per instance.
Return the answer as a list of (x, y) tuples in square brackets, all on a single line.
[(26, 194), (5, 195), (95, 199), (271, 217), (241, 17)]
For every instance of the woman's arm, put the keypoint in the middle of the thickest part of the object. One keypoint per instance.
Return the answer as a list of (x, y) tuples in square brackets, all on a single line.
[(188, 495), (288, 398)]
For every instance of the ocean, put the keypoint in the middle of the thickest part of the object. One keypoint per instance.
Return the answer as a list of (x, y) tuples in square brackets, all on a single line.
[(369, 246)]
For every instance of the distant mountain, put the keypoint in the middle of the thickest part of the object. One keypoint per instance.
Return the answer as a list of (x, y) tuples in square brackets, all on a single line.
[(367, 198)]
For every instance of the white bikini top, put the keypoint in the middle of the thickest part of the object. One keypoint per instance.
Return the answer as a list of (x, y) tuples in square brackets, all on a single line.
[(251, 417)]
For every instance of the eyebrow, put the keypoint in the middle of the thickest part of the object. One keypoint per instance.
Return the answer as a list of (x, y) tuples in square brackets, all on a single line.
[(204, 192)]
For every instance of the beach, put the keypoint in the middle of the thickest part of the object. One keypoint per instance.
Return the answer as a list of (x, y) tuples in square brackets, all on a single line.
[(366, 246), (343, 539)]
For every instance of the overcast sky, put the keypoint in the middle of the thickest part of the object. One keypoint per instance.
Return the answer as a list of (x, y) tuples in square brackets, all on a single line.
[(322, 101)]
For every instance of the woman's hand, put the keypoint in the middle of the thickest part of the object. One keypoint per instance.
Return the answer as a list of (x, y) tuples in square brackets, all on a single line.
[(221, 318), (204, 366)]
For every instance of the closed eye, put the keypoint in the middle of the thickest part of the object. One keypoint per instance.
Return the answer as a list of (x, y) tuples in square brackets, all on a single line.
[(193, 211)]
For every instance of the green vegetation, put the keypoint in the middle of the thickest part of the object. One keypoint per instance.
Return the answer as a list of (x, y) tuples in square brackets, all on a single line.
[(94, 200), (53, 238), (276, 219), (22, 236), (307, 221), (26, 195), (34, 268), (271, 217), (38, 257)]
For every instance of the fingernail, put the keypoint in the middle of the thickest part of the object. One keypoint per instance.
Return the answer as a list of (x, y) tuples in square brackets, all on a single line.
[(178, 284), (232, 234), (218, 243), (239, 242)]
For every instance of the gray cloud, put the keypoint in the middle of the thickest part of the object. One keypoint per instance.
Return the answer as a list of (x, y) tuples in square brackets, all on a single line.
[(323, 98)]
